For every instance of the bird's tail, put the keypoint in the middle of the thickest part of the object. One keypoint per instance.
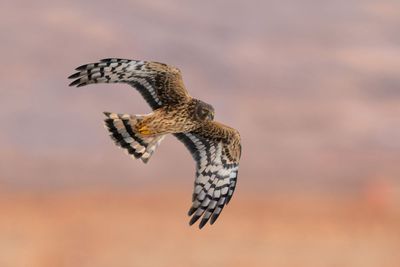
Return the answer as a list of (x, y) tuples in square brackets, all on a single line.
[(123, 132)]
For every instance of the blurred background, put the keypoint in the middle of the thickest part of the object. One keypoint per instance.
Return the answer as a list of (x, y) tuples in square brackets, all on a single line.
[(312, 86)]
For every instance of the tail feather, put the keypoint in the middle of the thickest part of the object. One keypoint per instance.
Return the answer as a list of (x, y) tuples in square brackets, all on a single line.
[(122, 131)]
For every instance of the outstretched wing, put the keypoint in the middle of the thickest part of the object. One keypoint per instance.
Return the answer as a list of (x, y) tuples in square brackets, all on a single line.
[(216, 149), (158, 83)]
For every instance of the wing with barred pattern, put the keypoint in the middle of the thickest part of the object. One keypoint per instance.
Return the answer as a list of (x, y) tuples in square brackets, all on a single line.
[(216, 149), (160, 84)]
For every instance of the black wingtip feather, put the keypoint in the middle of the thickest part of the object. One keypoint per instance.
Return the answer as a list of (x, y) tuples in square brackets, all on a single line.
[(194, 219), (75, 75), (230, 195), (191, 211), (73, 83), (213, 219), (215, 216), (203, 222), (82, 67)]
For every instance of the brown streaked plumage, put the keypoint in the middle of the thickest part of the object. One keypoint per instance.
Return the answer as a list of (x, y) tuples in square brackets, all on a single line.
[(215, 147)]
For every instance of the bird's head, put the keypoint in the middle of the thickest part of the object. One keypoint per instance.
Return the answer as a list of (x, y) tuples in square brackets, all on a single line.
[(204, 111)]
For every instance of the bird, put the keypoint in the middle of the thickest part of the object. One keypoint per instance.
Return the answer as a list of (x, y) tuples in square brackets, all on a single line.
[(215, 147)]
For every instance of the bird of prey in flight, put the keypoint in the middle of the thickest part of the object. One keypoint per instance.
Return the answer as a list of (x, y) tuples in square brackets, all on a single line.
[(215, 147)]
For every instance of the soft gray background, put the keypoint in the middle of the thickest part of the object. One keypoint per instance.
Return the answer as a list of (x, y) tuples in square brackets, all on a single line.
[(312, 86)]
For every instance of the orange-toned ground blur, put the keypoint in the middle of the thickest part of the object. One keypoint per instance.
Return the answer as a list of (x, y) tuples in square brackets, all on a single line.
[(312, 86), (108, 228)]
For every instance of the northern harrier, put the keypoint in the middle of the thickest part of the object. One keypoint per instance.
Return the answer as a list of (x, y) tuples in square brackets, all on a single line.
[(215, 147)]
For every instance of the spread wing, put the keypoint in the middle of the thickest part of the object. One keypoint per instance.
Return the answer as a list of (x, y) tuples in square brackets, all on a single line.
[(158, 83), (216, 149)]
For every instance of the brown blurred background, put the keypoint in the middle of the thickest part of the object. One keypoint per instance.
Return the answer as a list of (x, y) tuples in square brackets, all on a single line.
[(312, 86)]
